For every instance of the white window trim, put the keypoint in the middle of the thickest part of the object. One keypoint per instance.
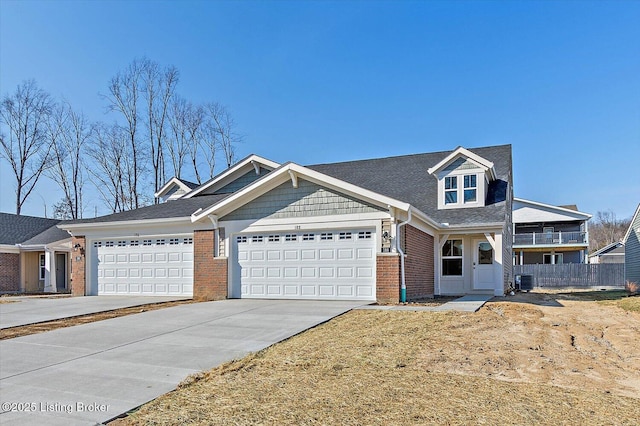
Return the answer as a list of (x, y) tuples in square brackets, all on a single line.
[(442, 258), (481, 189), (42, 272)]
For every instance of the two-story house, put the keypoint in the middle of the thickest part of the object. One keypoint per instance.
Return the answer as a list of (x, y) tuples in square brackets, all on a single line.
[(385, 229), (546, 234)]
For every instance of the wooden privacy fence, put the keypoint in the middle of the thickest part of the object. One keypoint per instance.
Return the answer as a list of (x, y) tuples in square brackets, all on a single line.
[(574, 274)]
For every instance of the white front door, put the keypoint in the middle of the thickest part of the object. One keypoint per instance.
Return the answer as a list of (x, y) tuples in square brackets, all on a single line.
[(483, 266), (328, 264)]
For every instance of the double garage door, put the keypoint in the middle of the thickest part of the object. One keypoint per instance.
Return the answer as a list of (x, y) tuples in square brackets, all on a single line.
[(330, 265), (145, 266)]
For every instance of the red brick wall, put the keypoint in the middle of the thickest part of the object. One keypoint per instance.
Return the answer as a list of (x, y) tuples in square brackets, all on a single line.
[(388, 278), (209, 272), (78, 267), (9, 272), (418, 263)]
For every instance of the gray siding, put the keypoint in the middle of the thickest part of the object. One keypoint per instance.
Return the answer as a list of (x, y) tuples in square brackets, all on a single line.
[(307, 200), (242, 181), (632, 251), (460, 164)]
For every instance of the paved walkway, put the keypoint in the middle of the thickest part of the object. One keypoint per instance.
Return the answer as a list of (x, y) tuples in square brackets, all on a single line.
[(25, 310), (94, 372), (469, 303)]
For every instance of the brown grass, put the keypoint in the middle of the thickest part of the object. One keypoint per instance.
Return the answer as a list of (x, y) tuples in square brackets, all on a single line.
[(531, 360), (25, 330)]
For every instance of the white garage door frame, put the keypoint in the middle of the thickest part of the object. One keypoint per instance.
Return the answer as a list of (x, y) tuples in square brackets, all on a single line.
[(155, 265), (315, 264)]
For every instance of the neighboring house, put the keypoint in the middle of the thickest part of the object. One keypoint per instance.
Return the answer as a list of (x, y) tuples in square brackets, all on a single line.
[(34, 255), (611, 253), (546, 234), (385, 229), (632, 249)]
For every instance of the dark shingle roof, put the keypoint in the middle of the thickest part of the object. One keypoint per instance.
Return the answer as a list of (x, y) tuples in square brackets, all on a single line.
[(16, 229), (406, 178), (182, 207), (191, 185)]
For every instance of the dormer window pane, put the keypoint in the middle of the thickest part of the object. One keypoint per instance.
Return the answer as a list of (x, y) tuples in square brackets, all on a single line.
[(451, 189), (470, 189)]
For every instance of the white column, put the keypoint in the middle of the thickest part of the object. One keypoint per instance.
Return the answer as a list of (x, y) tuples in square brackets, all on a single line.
[(499, 265), (49, 271)]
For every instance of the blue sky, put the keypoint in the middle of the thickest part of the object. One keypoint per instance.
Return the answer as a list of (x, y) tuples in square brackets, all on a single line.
[(322, 81)]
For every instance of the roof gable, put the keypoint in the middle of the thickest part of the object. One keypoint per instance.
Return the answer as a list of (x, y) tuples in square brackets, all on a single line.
[(175, 188), (465, 159), (258, 164), (527, 211), (292, 172), (634, 224)]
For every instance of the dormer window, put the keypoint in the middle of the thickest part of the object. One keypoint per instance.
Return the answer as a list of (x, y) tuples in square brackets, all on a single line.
[(470, 188), (463, 179), (451, 190)]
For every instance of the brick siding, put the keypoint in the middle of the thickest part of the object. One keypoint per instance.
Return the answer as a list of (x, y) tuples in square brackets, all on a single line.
[(78, 271), (209, 272), (388, 278), (10, 272), (418, 264)]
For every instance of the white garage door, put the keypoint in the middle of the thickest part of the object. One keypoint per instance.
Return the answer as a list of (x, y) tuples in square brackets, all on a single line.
[(145, 266), (313, 265)]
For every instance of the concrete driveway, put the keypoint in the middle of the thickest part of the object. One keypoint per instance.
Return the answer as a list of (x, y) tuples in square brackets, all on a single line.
[(29, 309), (92, 373)]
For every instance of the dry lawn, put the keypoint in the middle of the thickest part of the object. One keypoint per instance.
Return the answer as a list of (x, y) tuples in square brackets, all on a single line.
[(533, 359)]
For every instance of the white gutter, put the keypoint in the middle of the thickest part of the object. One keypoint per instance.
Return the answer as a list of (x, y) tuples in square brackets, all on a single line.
[(403, 285)]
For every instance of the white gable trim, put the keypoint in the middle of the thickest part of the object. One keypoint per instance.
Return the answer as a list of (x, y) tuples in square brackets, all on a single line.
[(284, 174), (633, 219), (174, 181), (253, 160), (576, 215), (483, 163)]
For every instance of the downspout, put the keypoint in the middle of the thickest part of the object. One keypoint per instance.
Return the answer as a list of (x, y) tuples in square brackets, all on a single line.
[(216, 234), (403, 284)]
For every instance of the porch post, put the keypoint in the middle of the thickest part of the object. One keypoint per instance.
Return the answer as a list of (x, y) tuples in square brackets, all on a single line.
[(499, 265), (49, 271)]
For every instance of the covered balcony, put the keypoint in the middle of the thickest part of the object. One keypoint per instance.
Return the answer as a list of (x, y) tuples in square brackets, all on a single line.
[(554, 239)]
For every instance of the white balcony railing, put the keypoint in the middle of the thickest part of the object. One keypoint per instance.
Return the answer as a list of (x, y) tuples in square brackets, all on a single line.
[(566, 238)]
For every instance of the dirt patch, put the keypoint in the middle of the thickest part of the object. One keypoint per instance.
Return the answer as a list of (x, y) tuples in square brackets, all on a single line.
[(531, 359), (25, 330)]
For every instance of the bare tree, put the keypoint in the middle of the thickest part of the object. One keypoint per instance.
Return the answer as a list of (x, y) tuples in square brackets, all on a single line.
[(124, 97), (69, 133), (159, 88), (185, 121), (227, 137), (25, 146), (606, 229), (110, 161)]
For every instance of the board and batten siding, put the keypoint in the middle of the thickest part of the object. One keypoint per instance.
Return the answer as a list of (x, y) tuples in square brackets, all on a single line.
[(308, 199), (632, 250)]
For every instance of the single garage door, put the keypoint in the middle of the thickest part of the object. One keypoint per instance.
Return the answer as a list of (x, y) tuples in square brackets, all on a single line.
[(312, 265), (145, 266)]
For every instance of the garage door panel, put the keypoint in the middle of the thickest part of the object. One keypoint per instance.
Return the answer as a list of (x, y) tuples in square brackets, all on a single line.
[(310, 265), (327, 272), (365, 272), (152, 266), (326, 290), (345, 254)]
